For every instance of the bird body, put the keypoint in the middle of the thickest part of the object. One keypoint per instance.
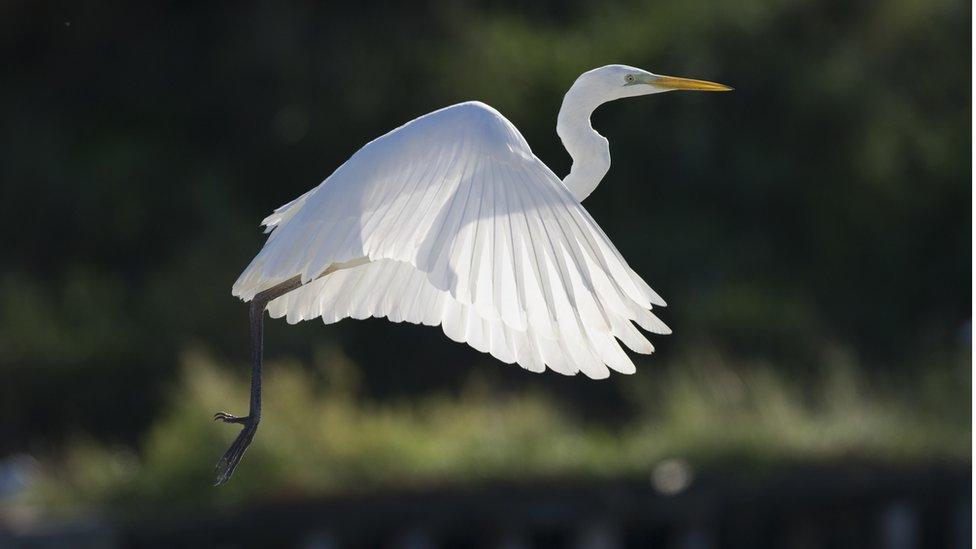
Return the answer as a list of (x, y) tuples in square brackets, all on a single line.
[(451, 220)]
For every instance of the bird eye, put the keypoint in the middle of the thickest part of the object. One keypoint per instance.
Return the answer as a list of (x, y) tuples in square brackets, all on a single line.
[(630, 78)]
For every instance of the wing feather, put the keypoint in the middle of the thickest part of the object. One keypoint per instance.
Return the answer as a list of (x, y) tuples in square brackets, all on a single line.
[(451, 220)]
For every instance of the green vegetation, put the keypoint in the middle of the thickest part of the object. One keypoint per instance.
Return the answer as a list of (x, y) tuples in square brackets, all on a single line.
[(825, 202), (318, 436), (823, 205)]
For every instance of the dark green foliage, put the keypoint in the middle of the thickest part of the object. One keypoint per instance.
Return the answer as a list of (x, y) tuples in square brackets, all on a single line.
[(824, 204)]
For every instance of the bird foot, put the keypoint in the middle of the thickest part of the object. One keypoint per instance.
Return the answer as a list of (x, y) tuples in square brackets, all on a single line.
[(230, 418), (227, 464)]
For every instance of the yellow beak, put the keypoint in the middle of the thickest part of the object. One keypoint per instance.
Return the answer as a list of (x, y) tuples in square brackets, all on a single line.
[(677, 83)]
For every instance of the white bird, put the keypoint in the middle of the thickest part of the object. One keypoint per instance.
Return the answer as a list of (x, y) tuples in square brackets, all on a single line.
[(451, 219)]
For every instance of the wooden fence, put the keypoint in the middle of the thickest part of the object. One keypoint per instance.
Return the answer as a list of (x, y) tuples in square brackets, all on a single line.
[(800, 507)]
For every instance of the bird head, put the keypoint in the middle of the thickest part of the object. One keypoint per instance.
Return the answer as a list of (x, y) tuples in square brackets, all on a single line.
[(619, 81)]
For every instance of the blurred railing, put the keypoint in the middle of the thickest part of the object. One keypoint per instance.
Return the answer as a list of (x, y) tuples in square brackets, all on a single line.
[(800, 507)]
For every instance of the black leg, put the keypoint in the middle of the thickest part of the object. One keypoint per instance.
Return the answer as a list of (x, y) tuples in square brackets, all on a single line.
[(229, 461)]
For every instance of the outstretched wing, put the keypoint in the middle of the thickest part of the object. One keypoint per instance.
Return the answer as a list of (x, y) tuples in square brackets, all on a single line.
[(452, 220)]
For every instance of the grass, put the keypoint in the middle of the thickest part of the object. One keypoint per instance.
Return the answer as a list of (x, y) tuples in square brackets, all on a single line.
[(319, 437)]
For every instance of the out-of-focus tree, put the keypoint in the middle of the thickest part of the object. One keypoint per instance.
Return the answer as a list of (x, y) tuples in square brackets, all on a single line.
[(824, 205)]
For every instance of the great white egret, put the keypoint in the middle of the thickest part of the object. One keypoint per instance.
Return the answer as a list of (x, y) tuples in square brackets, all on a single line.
[(450, 219)]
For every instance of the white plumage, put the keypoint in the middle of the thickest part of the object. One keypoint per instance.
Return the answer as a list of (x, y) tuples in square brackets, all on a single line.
[(451, 219)]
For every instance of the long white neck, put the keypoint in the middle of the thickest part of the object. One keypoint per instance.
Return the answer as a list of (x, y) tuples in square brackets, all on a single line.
[(590, 150)]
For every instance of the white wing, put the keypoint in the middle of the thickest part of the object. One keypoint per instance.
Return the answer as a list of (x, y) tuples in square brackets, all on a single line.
[(451, 220)]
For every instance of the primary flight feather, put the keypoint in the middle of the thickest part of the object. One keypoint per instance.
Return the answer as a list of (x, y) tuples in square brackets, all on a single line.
[(451, 220)]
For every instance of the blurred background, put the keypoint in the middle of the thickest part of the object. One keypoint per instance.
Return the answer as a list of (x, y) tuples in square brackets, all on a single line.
[(811, 232)]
